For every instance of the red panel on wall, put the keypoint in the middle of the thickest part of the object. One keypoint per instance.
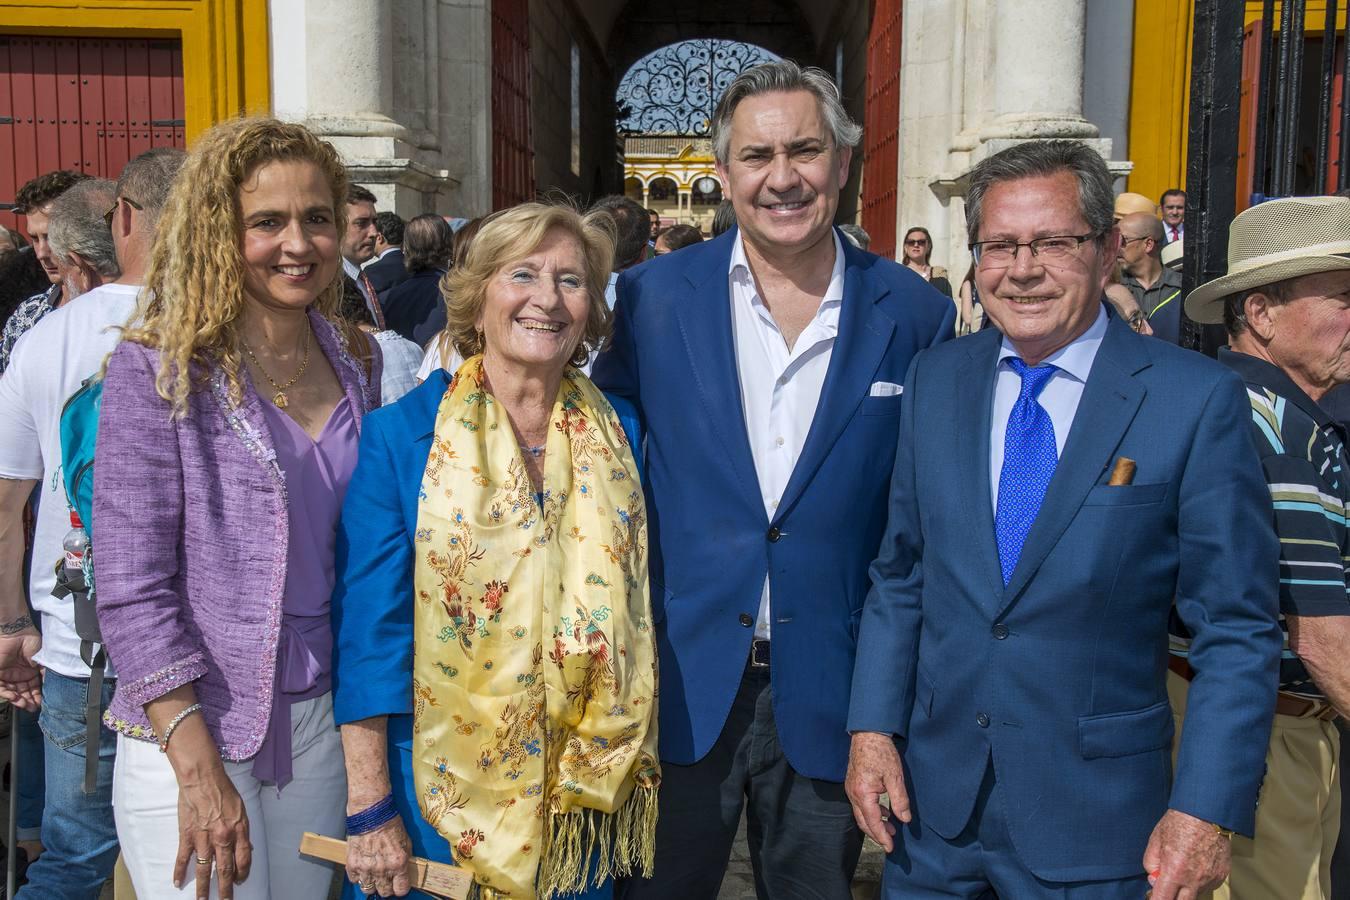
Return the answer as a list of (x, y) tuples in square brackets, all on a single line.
[(881, 127), (512, 150), (88, 104)]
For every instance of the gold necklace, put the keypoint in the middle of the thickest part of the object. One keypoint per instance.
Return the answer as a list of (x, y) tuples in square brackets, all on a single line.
[(279, 398)]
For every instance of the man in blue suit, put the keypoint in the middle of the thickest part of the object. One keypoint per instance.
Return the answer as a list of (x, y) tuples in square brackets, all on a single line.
[(1059, 484), (766, 367)]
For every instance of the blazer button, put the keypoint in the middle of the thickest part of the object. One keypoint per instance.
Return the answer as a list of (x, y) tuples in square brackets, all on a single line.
[(747, 620), (1000, 631), (982, 720), (774, 534)]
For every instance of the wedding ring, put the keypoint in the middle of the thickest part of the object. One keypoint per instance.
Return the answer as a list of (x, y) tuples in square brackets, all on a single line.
[(203, 861), (367, 887)]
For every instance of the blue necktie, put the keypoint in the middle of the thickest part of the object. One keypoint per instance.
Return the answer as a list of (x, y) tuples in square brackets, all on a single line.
[(1029, 459)]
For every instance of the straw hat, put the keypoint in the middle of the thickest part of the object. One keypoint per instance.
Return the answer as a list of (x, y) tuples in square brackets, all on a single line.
[(1275, 241), (1128, 203), (1172, 253)]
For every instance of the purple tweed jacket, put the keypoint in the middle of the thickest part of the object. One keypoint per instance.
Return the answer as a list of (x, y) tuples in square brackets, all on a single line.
[(191, 542)]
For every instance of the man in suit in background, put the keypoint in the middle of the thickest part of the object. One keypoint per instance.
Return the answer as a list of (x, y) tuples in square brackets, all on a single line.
[(387, 270), (1014, 644), (766, 366), (1172, 209)]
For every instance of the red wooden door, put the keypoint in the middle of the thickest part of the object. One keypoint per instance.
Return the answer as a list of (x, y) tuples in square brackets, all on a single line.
[(87, 104), (881, 128), (512, 150)]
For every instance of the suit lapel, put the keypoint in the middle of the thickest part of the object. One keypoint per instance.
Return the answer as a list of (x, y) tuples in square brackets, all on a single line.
[(1110, 400), (705, 325), (970, 439), (864, 334)]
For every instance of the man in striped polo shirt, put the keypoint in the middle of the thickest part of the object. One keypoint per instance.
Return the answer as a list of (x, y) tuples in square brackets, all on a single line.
[(1285, 304)]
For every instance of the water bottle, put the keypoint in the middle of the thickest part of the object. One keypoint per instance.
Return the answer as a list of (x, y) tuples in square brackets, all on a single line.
[(74, 545)]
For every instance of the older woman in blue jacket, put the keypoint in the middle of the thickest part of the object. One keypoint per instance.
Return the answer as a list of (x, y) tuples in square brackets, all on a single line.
[(494, 659)]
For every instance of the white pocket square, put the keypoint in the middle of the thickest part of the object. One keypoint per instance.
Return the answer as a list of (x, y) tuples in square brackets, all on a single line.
[(885, 389)]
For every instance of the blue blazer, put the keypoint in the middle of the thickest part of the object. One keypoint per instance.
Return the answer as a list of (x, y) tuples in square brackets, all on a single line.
[(712, 543), (1059, 678), (373, 598)]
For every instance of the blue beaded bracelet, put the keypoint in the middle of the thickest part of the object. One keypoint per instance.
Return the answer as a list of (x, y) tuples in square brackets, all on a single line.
[(372, 817)]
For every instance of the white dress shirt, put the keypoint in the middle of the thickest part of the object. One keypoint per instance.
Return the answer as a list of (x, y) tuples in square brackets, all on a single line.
[(780, 387), (1059, 397)]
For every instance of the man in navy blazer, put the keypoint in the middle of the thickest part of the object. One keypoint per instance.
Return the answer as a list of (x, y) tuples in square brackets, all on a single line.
[(766, 366), (1059, 484)]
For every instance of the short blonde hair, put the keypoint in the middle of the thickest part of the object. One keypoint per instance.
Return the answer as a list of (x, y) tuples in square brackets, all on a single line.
[(195, 281), (513, 234)]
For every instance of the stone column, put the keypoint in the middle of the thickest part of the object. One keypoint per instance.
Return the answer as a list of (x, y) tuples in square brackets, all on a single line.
[(357, 98), (1038, 70)]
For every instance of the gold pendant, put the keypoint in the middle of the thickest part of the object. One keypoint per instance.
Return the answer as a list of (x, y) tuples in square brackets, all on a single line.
[(279, 401)]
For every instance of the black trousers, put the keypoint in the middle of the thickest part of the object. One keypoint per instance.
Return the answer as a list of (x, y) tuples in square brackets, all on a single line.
[(804, 844)]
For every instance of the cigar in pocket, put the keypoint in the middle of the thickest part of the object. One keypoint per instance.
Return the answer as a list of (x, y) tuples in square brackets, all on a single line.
[(1123, 473)]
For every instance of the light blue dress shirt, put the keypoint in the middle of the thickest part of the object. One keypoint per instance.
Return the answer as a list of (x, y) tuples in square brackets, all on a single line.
[(1059, 397)]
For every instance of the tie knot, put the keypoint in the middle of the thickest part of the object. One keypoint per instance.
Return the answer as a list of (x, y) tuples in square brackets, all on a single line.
[(1033, 377)]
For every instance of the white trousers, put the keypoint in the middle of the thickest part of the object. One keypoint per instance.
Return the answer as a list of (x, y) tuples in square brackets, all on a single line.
[(145, 806)]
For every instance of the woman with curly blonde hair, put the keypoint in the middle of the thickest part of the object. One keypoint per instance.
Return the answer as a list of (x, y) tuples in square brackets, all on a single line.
[(492, 591), (227, 437)]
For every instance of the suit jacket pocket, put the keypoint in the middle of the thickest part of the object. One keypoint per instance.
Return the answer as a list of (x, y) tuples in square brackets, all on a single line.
[(1126, 494), (1125, 733), (882, 406)]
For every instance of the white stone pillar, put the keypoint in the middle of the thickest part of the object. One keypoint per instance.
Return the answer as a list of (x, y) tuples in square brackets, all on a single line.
[(1038, 70), (355, 36)]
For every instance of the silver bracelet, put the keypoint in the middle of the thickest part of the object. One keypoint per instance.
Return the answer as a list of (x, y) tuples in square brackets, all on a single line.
[(174, 723)]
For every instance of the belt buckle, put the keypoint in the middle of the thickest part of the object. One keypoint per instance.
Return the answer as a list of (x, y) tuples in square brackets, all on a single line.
[(759, 653), (1327, 713)]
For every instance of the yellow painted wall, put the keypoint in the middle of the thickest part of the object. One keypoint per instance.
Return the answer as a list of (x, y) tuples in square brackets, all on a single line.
[(226, 69), (1159, 95), (1160, 86)]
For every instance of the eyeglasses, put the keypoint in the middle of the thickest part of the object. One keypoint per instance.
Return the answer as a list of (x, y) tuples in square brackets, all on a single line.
[(918, 243), (1126, 241), (108, 216), (1001, 254)]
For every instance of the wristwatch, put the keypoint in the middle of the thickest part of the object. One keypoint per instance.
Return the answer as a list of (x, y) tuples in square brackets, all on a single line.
[(1223, 832)]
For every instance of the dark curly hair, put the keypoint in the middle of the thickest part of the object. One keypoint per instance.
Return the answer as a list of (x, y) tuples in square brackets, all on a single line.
[(44, 189)]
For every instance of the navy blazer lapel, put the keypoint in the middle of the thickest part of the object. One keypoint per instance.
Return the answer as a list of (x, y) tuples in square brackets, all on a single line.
[(864, 334), (1110, 400), (971, 440), (705, 324)]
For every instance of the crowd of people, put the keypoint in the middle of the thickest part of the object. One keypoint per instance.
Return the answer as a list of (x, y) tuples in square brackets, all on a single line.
[(552, 544)]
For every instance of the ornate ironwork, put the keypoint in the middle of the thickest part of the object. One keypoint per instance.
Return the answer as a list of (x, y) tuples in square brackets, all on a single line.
[(674, 90)]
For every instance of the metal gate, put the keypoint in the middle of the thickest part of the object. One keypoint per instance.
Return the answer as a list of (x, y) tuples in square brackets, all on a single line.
[(512, 150), (881, 128), (88, 104), (1250, 82)]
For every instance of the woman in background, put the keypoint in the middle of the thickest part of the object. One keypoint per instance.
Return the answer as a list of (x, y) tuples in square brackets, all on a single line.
[(917, 248)]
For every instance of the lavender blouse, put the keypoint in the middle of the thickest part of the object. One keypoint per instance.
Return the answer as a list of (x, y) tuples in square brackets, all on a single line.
[(317, 472), (194, 522)]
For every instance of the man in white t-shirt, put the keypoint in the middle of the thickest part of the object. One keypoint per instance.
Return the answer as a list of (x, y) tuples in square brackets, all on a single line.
[(46, 671)]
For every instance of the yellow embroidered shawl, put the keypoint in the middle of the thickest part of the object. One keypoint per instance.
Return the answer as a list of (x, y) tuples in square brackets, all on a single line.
[(534, 670)]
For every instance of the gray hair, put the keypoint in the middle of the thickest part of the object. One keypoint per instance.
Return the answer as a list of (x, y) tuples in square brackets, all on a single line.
[(858, 235), (77, 225), (781, 76), (1037, 159), (147, 179)]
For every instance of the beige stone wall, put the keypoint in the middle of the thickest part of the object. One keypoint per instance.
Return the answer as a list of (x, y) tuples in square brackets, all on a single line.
[(555, 26)]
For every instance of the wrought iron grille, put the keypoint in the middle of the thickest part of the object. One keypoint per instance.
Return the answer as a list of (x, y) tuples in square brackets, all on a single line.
[(1283, 96), (675, 89)]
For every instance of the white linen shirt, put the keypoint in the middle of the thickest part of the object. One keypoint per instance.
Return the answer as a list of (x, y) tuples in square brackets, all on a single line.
[(50, 362), (780, 388), (1059, 397)]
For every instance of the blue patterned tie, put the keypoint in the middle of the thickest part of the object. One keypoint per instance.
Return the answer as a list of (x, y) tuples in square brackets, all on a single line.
[(1029, 459)]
